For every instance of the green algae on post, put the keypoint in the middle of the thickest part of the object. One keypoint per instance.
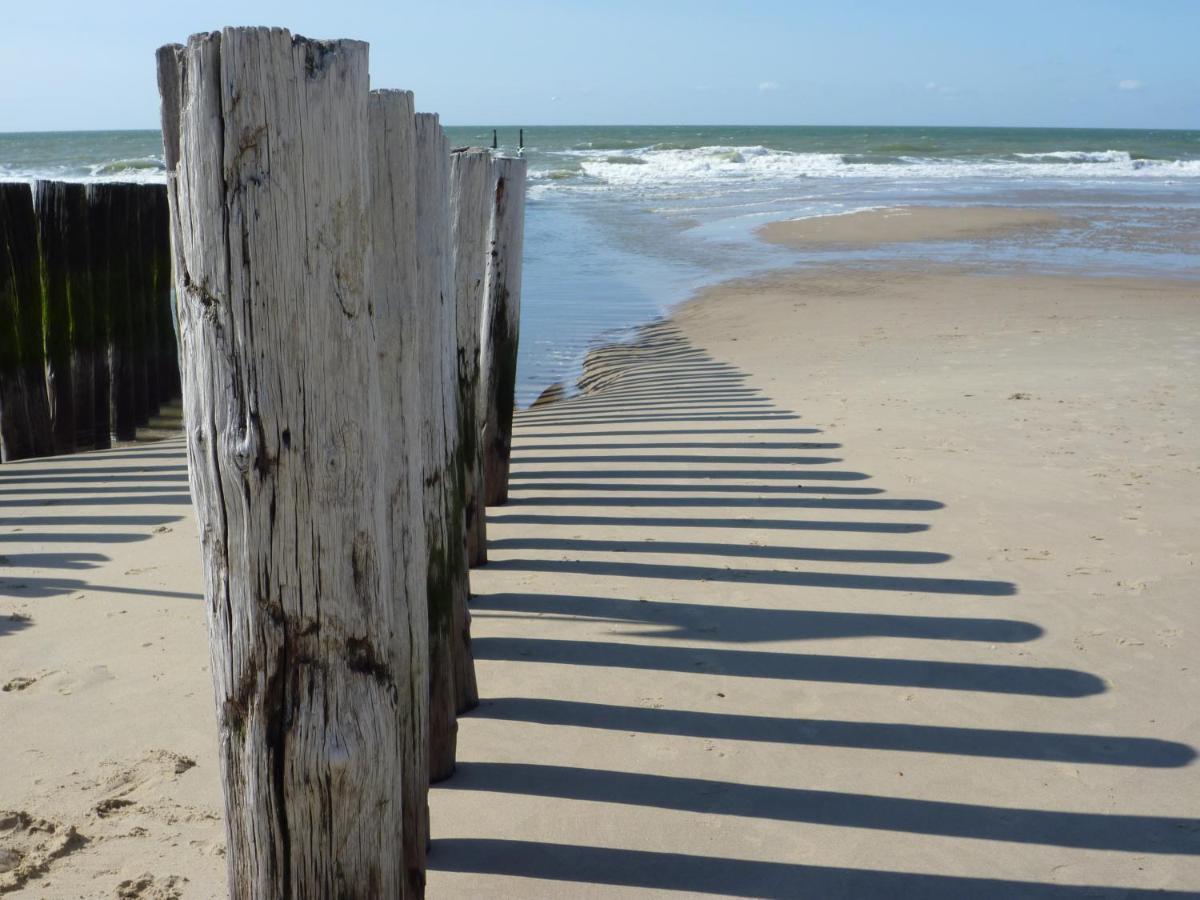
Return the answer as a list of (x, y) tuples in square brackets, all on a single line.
[(50, 210), (24, 411)]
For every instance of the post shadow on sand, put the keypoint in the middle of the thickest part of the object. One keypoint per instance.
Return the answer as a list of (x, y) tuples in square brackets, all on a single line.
[(931, 674), (696, 522), (1092, 831), (909, 584), (650, 870), (748, 625), (41, 588), (68, 559), (727, 550), (99, 500), (1059, 747), (14, 622)]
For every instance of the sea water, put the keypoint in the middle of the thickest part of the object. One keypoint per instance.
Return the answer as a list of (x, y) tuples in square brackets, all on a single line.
[(624, 222)]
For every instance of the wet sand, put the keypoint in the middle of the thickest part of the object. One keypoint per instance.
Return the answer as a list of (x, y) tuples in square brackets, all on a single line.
[(842, 584), (908, 223)]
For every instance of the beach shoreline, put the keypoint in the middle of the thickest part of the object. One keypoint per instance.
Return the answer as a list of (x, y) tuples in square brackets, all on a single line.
[(861, 578)]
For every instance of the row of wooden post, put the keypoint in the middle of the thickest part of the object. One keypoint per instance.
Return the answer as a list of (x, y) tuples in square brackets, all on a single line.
[(87, 342), (348, 298)]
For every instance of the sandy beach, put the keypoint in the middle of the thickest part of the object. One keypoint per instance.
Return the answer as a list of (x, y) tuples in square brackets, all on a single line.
[(871, 227), (838, 583)]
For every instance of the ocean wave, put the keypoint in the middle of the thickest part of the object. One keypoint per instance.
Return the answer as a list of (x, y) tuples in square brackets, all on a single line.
[(1080, 156), (649, 168), (143, 164), (150, 170)]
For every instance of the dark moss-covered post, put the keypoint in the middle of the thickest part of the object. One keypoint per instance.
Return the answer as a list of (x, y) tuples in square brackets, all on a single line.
[(141, 272), (99, 205), (452, 687), (501, 325), (122, 221), (49, 199), (24, 410), (151, 225), (83, 320)]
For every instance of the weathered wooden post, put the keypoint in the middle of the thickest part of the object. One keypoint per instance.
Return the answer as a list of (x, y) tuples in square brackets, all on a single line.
[(148, 228), (452, 666), (501, 326), (167, 363), (49, 200), (400, 334), (122, 218), (140, 273), (311, 661), (24, 411), (99, 204), (471, 210), (83, 317)]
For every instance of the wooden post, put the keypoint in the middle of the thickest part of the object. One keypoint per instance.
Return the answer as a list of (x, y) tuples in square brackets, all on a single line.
[(140, 273), (49, 200), (169, 89), (401, 332), (471, 208), (99, 205), (24, 410), (501, 326), (287, 461), (122, 220), (167, 363), (148, 228), (83, 318), (452, 666)]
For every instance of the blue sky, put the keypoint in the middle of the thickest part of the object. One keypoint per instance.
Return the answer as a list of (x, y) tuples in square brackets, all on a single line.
[(84, 64)]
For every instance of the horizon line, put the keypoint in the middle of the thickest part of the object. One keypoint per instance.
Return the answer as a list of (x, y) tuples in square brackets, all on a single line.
[(707, 125)]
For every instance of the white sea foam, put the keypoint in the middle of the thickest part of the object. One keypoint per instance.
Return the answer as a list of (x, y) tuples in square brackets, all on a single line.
[(649, 169), (145, 170)]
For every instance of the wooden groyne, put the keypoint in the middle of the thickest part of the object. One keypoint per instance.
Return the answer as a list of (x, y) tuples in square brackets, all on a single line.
[(87, 352), (347, 296)]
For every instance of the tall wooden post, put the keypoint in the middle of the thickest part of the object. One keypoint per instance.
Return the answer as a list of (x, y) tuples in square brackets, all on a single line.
[(501, 326), (400, 333), (99, 205), (24, 411), (270, 199), (140, 273), (167, 362), (452, 666), (49, 199), (471, 209), (122, 219), (83, 316)]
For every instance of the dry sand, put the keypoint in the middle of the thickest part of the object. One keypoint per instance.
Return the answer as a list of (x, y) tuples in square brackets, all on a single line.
[(908, 223), (847, 584)]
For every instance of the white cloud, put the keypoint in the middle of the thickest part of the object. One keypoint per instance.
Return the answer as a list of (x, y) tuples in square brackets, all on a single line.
[(768, 85), (935, 88), (554, 99), (1130, 84)]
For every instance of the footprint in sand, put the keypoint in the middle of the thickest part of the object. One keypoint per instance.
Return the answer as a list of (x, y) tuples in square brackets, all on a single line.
[(148, 887), (66, 684), (119, 792), (29, 845), (18, 684)]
